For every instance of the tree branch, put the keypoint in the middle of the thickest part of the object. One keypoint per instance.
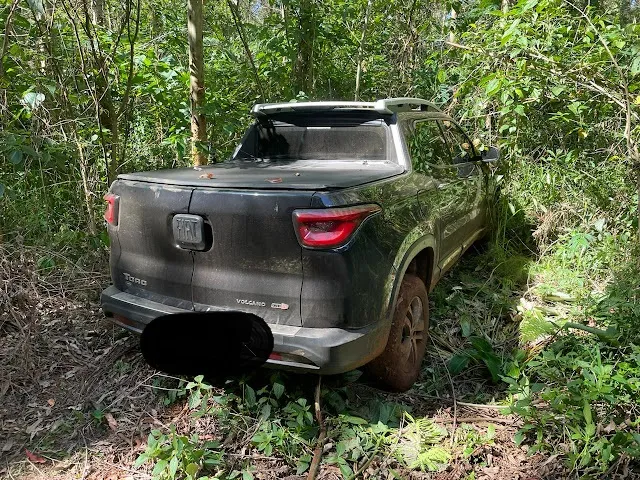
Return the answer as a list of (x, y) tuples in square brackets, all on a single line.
[(322, 435), (5, 39), (238, 24)]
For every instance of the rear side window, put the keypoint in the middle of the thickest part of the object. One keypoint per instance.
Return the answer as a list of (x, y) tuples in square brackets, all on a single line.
[(427, 146), (345, 141)]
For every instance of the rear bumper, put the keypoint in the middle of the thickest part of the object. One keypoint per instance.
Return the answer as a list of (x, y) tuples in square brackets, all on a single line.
[(321, 350)]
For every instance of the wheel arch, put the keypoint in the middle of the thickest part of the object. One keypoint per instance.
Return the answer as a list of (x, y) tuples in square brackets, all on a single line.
[(421, 265), (419, 259)]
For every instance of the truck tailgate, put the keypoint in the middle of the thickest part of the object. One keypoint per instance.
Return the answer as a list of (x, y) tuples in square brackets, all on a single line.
[(254, 264)]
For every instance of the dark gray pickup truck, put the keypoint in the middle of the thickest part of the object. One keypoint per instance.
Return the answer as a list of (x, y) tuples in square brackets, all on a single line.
[(331, 221)]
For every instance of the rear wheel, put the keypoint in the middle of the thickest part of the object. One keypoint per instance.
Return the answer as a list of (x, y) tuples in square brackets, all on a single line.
[(398, 367)]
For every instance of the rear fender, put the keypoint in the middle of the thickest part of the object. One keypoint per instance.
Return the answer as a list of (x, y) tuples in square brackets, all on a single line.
[(413, 244)]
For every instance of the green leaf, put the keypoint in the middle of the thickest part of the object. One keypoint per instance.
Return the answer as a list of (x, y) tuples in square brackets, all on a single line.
[(140, 460), (195, 399), (212, 445), (458, 363), (481, 344), (519, 437), (249, 396), (345, 469), (303, 464), (247, 475), (268, 449), (509, 380), (635, 66), (278, 389), (159, 468), (173, 466), (492, 87), (301, 467), (354, 420), (493, 364), (465, 325), (510, 31), (192, 469), (30, 151), (575, 108), (16, 157), (266, 412), (586, 410)]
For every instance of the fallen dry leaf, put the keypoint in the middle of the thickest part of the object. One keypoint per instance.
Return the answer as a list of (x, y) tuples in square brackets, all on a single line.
[(139, 444), (113, 425), (207, 175), (34, 458), (51, 402), (274, 180)]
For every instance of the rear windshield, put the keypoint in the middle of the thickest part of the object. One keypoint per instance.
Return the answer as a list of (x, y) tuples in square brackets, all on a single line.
[(345, 141)]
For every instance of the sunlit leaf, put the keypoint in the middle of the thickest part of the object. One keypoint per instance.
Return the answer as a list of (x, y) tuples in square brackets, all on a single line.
[(32, 100)]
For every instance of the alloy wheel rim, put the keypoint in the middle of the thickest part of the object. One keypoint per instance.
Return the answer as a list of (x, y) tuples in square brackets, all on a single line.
[(413, 330)]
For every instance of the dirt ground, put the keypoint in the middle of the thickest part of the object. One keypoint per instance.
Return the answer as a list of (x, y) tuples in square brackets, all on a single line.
[(77, 399)]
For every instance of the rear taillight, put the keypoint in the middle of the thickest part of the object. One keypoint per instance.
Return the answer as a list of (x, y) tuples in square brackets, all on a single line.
[(111, 213), (330, 227)]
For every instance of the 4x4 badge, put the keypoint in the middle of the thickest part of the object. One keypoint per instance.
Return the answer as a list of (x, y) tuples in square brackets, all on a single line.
[(280, 306)]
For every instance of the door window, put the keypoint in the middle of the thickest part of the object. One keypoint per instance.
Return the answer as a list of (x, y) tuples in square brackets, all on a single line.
[(461, 148)]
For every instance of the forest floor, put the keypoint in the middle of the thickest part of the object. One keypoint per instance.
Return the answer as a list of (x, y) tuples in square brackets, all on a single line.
[(78, 401)]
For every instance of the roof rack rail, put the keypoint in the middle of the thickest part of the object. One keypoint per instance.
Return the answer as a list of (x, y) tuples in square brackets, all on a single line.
[(404, 104), (386, 106)]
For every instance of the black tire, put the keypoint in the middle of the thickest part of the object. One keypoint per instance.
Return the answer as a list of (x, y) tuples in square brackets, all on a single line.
[(398, 366)]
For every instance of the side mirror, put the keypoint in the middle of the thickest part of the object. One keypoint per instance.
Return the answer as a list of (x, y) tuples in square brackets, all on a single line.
[(491, 155)]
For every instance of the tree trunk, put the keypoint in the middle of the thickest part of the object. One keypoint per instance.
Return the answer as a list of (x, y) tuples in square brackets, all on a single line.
[(452, 30), (196, 90), (106, 112), (361, 49), (97, 10), (3, 52), (85, 186), (304, 60)]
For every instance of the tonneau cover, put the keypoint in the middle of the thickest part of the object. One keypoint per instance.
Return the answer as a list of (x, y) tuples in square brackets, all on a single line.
[(296, 175)]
